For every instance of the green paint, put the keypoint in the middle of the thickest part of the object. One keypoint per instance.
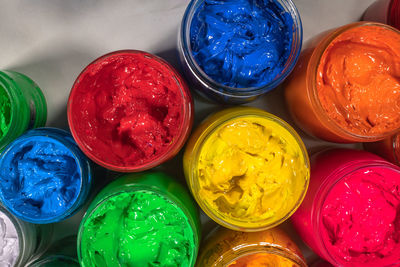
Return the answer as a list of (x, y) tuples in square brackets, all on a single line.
[(5, 111), (138, 228)]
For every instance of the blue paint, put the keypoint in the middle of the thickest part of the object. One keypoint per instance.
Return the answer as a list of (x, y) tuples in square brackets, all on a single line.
[(44, 177), (241, 43)]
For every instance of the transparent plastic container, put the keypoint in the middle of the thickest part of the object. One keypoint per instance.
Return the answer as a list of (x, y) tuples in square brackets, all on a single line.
[(222, 247), (302, 95), (156, 183), (384, 11), (328, 169), (33, 239), (219, 92), (388, 148), (191, 161), (27, 105), (60, 137), (61, 254), (80, 136)]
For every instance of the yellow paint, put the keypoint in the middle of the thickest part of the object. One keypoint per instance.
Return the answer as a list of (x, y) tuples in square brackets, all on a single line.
[(263, 260), (251, 170)]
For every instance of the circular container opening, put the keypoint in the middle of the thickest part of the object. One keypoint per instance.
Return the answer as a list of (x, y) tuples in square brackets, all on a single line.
[(5, 112), (211, 74), (11, 244), (237, 150), (136, 221), (130, 111), (354, 232), (41, 178), (340, 96)]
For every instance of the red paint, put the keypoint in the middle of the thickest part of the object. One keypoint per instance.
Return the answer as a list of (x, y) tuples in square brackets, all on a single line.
[(351, 213), (388, 148), (130, 111), (394, 14), (384, 11)]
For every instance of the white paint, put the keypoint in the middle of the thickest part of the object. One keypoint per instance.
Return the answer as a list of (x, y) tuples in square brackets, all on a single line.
[(9, 243)]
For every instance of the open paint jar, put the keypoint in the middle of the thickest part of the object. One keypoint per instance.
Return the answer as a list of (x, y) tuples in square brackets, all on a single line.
[(228, 248), (62, 254), (130, 111), (388, 148), (22, 106), (44, 177), (247, 169), (351, 213), (144, 219), (55, 261), (21, 241), (384, 11), (345, 87), (235, 51)]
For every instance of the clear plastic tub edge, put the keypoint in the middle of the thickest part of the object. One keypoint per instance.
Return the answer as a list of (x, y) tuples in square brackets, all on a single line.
[(329, 167), (200, 136), (65, 139), (187, 111), (28, 105), (210, 89), (152, 181), (33, 239)]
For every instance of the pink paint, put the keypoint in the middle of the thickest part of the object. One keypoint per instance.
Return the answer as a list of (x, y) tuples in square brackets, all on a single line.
[(351, 213)]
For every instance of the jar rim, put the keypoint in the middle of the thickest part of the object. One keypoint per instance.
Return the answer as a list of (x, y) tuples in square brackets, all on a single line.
[(395, 145), (184, 36), (84, 171), (185, 127), (392, 13), (229, 115), (324, 190), (52, 258), (132, 189), (11, 88), (19, 229), (265, 248), (312, 69)]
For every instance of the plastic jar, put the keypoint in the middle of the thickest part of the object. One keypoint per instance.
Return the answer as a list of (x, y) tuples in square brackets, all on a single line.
[(130, 111), (45, 177), (302, 94), (349, 184), (156, 211), (55, 261), (224, 247), (384, 11), (31, 240), (388, 148), (247, 169), (23, 103), (219, 92), (62, 254)]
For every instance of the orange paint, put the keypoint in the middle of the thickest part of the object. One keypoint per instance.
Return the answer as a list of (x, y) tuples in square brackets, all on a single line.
[(357, 80), (345, 87), (228, 248)]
